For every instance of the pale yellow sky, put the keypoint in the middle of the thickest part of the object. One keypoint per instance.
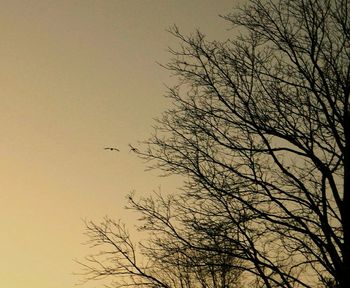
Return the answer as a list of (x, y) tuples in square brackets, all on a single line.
[(77, 76)]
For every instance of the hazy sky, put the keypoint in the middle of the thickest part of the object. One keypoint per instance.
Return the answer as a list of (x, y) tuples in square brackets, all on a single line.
[(77, 76)]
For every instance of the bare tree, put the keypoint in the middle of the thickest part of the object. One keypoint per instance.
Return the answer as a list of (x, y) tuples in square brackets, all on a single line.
[(161, 262), (260, 128)]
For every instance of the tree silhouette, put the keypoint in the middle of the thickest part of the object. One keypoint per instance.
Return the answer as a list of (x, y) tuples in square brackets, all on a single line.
[(158, 263), (260, 128)]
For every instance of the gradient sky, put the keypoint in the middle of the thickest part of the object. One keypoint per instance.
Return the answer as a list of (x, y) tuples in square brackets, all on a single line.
[(77, 76)]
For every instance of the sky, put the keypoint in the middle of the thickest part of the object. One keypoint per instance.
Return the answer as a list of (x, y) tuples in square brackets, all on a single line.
[(77, 76)]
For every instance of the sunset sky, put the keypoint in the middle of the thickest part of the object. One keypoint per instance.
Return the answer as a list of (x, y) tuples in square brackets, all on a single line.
[(77, 76)]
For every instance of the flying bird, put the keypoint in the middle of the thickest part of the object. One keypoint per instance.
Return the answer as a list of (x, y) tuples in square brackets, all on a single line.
[(133, 149), (112, 149)]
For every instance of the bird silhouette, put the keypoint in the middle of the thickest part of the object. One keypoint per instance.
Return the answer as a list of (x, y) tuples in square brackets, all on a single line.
[(112, 149), (133, 149)]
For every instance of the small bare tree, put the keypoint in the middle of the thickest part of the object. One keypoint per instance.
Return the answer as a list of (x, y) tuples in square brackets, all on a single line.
[(260, 128), (162, 261)]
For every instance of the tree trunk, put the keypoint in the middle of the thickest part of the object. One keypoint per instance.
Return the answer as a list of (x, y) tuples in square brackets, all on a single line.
[(344, 281)]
